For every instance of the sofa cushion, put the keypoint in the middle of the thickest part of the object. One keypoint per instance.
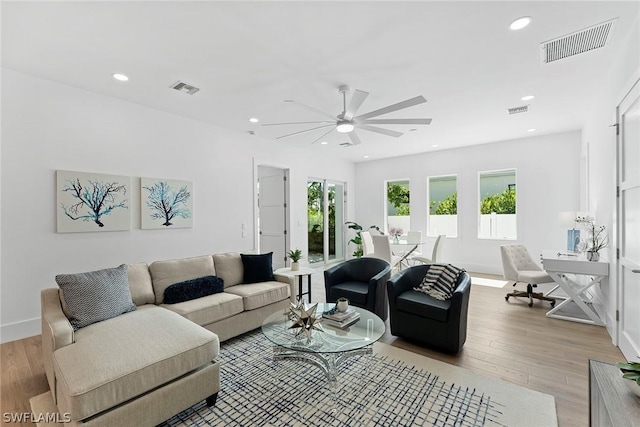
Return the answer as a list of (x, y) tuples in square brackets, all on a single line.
[(423, 305), (257, 268), (100, 370), (209, 309), (140, 284), (229, 267), (192, 289), (256, 295), (95, 296), (166, 273)]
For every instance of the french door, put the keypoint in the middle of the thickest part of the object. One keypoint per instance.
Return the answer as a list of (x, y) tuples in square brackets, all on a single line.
[(325, 215), (629, 224)]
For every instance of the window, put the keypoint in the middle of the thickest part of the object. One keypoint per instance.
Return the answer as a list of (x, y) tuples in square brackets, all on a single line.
[(443, 206), (497, 219), (398, 212)]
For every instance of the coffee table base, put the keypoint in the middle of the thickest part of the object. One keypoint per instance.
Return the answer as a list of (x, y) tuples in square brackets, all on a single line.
[(328, 363)]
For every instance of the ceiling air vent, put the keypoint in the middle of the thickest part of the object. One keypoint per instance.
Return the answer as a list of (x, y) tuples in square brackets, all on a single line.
[(578, 42), (184, 87), (516, 110)]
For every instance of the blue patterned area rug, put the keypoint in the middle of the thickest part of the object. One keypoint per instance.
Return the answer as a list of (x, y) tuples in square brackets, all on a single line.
[(393, 387)]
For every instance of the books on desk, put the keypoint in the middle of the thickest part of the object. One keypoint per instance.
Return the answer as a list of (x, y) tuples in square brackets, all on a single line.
[(340, 319)]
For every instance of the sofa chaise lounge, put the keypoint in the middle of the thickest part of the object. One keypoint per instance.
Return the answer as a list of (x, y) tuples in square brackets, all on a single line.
[(144, 366)]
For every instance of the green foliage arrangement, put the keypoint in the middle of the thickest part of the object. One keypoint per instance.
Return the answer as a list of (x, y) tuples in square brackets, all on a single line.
[(398, 196), (294, 255), (357, 239), (630, 371), (504, 203), (448, 206)]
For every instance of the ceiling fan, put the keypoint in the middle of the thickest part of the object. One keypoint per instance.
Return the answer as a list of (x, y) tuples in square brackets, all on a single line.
[(347, 121)]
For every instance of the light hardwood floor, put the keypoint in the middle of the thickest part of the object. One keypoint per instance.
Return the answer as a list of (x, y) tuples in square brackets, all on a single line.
[(507, 341)]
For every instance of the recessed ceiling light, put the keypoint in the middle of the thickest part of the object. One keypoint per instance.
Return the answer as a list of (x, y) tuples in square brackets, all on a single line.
[(254, 120), (324, 143), (527, 98), (365, 156), (520, 23), (434, 145), (531, 130), (120, 77)]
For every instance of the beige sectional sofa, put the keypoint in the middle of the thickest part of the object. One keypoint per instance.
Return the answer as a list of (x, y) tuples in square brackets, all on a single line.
[(144, 366)]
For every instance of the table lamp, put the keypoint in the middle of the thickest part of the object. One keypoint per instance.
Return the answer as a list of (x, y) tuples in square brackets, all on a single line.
[(568, 219)]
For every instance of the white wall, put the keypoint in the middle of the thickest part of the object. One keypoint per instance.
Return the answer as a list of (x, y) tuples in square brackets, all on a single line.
[(548, 182), (599, 141), (49, 126)]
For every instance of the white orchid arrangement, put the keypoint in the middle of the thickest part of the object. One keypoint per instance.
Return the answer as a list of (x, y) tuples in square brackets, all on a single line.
[(597, 238)]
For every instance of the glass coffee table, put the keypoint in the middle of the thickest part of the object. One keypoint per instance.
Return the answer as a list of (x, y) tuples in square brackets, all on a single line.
[(330, 347)]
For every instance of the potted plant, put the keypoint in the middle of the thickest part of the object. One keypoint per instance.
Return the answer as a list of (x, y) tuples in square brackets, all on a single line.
[(357, 239), (597, 238), (631, 372), (295, 255)]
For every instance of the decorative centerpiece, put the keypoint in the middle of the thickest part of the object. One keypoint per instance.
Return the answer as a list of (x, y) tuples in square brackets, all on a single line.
[(631, 372), (304, 319), (295, 255), (396, 232), (342, 304), (596, 239)]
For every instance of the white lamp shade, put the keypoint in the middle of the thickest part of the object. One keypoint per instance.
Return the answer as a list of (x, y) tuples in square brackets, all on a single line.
[(567, 219)]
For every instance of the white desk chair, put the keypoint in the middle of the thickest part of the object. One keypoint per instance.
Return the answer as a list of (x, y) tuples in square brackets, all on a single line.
[(437, 249), (517, 265), (367, 243), (382, 250)]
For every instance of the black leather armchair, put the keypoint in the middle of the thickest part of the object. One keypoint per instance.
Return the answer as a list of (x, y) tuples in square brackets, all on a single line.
[(419, 317), (362, 281)]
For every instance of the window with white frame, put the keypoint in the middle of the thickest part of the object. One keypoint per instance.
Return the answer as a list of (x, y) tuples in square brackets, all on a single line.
[(397, 201), (497, 205), (443, 206)]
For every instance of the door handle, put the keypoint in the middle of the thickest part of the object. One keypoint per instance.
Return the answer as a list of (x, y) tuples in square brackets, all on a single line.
[(635, 270)]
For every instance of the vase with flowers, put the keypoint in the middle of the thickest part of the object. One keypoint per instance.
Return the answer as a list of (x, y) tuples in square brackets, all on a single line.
[(597, 238), (396, 232)]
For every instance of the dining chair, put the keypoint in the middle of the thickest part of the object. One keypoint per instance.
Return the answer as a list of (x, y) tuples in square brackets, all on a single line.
[(367, 243), (382, 250), (437, 249)]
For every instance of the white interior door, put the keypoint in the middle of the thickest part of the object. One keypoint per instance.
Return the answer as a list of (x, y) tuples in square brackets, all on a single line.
[(629, 220), (272, 213)]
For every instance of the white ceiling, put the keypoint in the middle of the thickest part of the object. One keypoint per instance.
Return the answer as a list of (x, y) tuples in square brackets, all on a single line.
[(248, 57)]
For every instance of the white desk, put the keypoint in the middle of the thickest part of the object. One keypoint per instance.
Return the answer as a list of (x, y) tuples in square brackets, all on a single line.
[(564, 270)]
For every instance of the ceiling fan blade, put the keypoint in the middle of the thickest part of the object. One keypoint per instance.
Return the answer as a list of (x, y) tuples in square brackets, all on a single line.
[(322, 136), (356, 101), (354, 138), (395, 107), (376, 129), (295, 123), (315, 110), (304, 131), (397, 121)]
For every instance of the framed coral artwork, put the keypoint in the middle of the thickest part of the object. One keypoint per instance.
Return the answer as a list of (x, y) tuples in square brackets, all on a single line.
[(92, 202), (166, 203)]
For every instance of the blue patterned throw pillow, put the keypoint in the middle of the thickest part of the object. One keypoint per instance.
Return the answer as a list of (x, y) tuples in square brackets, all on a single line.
[(95, 296), (440, 281), (193, 289)]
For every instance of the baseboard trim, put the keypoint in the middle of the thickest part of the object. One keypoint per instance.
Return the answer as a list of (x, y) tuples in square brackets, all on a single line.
[(19, 330)]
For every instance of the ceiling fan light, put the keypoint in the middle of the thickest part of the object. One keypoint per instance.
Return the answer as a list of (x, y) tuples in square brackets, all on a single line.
[(345, 127)]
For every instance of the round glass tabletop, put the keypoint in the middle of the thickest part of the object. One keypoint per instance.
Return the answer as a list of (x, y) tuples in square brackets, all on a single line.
[(327, 339)]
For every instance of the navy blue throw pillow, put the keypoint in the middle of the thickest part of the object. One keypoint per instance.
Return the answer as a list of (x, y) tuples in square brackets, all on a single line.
[(257, 268), (192, 289)]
